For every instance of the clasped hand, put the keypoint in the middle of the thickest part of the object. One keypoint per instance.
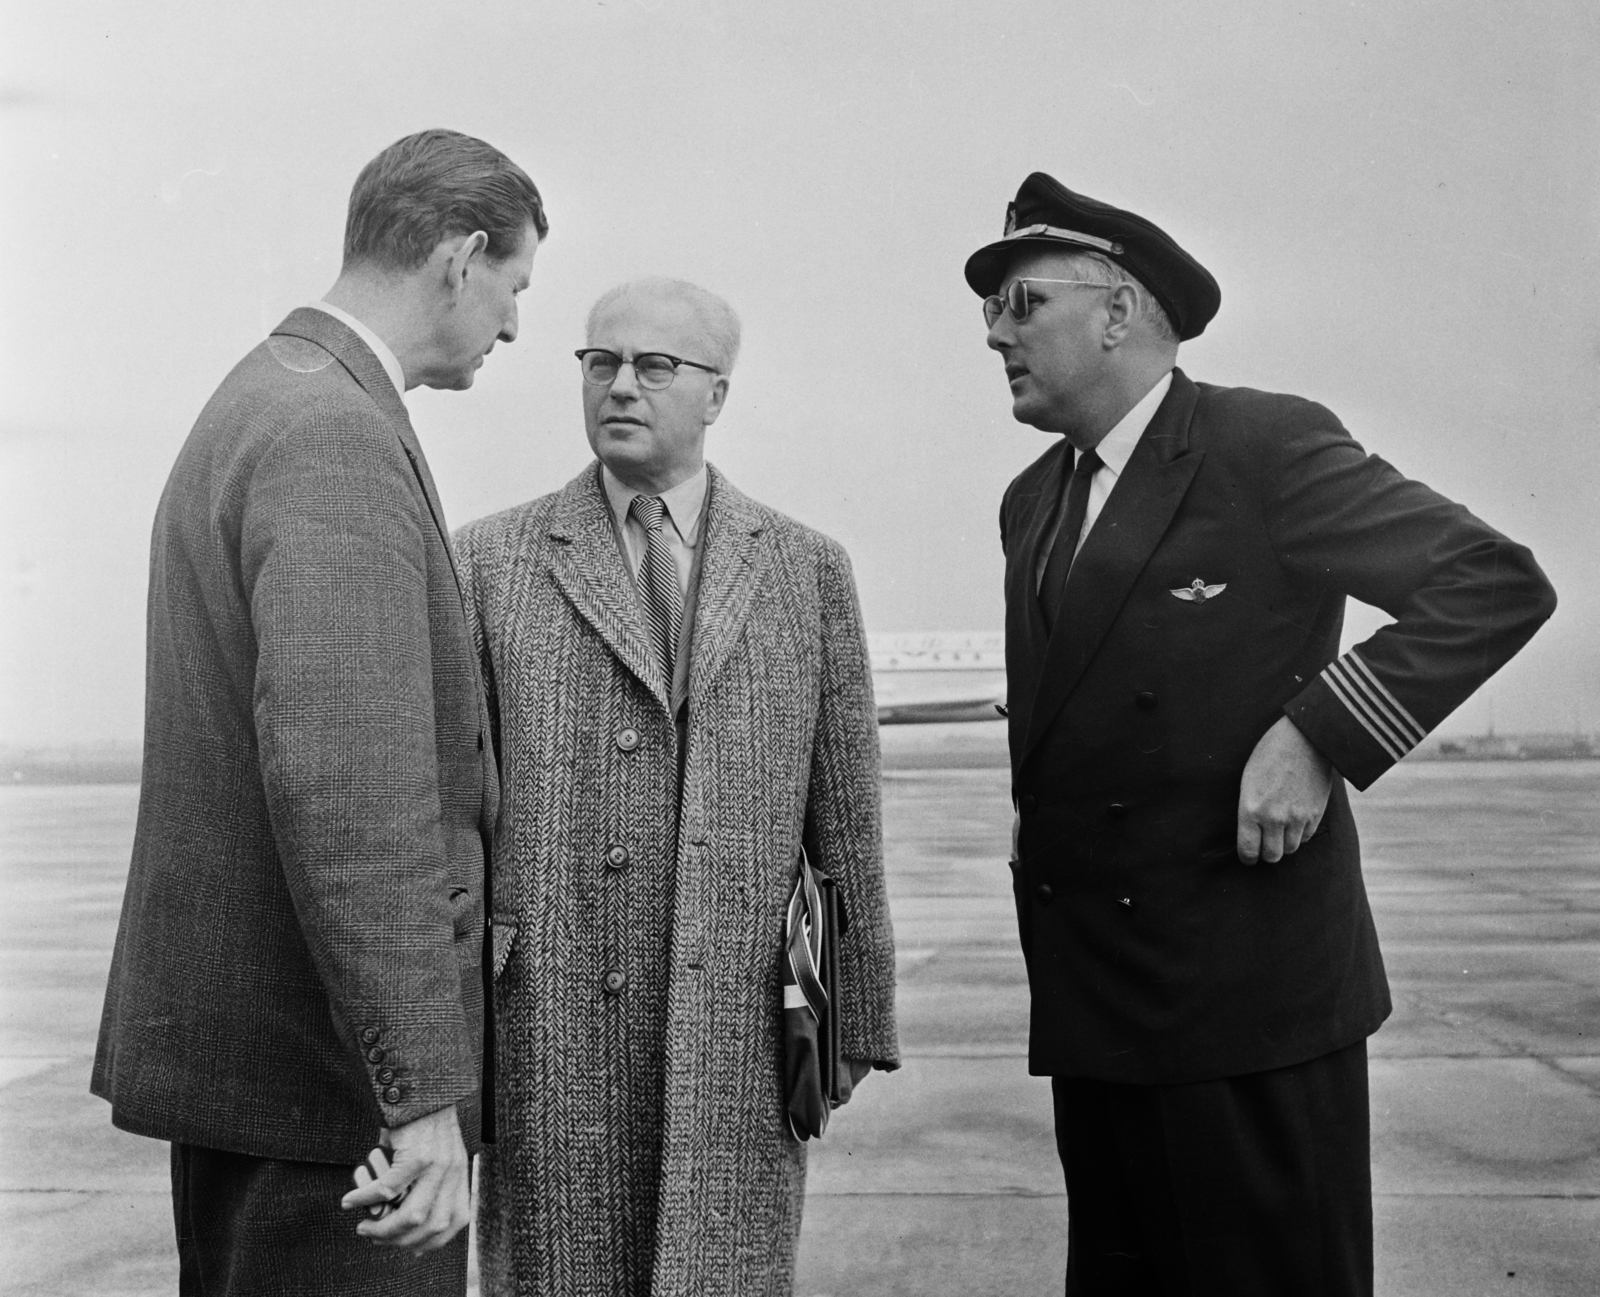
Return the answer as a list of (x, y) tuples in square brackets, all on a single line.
[(1283, 794), (429, 1175)]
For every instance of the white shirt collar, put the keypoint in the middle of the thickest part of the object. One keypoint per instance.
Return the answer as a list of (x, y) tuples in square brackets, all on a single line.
[(386, 358), (1116, 446), (685, 502)]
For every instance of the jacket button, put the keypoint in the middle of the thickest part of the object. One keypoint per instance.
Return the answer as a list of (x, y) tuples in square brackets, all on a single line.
[(392, 1094), (375, 1055), (1045, 893), (615, 980), (1146, 701), (617, 855), (385, 1075), (1124, 900), (369, 1035), (1027, 803), (1117, 810), (627, 740)]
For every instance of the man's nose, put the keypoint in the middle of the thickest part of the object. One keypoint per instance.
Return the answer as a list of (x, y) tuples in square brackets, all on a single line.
[(508, 332), (626, 383), (999, 336)]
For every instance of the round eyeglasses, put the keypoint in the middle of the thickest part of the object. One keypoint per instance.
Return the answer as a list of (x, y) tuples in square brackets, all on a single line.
[(1016, 298), (654, 369)]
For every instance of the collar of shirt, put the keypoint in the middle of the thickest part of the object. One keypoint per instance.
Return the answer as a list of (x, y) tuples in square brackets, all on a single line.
[(1116, 447), (685, 503), (386, 358)]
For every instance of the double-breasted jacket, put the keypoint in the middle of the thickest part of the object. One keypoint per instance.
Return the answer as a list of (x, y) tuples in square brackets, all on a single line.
[(1206, 602)]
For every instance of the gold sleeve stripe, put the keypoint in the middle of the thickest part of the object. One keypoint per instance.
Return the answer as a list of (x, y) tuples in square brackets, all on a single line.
[(1407, 722), (1346, 688)]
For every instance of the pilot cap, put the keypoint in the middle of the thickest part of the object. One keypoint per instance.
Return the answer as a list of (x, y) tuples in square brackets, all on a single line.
[(1045, 213)]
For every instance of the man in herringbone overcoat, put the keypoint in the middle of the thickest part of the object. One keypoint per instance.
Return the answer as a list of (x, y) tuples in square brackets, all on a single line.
[(299, 968), (657, 792)]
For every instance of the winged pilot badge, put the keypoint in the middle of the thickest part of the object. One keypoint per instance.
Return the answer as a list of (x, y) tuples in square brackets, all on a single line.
[(1197, 591)]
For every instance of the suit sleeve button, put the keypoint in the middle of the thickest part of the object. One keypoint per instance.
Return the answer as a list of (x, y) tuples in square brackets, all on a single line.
[(375, 1055), (1145, 701), (1117, 810), (617, 856), (385, 1075), (614, 981), (369, 1035), (1045, 893), (628, 739), (392, 1094)]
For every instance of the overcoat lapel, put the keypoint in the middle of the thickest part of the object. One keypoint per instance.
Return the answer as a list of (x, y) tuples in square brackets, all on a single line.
[(587, 565), (736, 553), (1136, 515), (338, 339)]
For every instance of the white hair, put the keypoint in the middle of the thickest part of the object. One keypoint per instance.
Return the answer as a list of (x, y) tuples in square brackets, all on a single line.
[(718, 325), (1102, 270)]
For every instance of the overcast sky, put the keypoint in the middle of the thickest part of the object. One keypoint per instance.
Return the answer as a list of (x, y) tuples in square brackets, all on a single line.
[(1401, 201)]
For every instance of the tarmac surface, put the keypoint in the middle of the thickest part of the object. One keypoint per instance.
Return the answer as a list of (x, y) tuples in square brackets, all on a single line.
[(941, 1178)]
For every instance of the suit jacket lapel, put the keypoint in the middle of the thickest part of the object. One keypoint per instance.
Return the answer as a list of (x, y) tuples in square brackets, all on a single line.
[(1136, 515), (339, 340), (734, 557), (1025, 630), (589, 569)]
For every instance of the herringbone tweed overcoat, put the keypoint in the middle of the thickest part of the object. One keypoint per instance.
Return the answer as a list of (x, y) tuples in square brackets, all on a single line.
[(299, 961), (642, 1147)]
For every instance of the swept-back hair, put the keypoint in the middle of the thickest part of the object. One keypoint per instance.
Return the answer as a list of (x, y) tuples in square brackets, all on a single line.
[(718, 323), (430, 186)]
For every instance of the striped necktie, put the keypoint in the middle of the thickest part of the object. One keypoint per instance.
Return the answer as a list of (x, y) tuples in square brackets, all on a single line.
[(658, 581)]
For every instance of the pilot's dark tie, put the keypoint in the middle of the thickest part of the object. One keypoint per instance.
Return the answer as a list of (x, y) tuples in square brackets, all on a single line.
[(1054, 585)]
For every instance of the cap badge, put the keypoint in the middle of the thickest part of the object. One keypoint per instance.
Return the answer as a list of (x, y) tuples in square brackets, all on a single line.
[(1197, 591)]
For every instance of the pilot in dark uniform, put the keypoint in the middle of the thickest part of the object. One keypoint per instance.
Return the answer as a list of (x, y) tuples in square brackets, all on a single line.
[(1202, 961)]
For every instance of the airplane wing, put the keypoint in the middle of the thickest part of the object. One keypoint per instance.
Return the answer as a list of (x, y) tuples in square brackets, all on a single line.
[(938, 676)]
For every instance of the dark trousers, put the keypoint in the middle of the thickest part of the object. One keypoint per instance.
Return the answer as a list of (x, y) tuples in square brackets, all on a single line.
[(253, 1225), (1248, 1186)]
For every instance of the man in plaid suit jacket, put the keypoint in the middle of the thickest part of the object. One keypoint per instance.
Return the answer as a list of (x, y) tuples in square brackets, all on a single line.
[(298, 973)]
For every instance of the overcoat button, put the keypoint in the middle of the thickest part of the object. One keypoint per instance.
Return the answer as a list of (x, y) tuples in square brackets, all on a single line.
[(392, 1094), (369, 1035), (375, 1055), (385, 1075), (1116, 810), (1145, 701), (1046, 893), (616, 855), (615, 980), (627, 740), (1028, 803), (1124, 900)]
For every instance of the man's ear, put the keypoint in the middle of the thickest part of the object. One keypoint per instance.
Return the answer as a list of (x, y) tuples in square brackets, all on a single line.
[(718, 396), (466, 254), (1122, 309)]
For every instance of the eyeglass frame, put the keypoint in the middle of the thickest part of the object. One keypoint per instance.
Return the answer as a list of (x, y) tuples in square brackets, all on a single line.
[(623, 360), (1024, 281)]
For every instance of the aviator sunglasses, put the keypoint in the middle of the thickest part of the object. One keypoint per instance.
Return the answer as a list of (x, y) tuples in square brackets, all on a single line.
[(1016, 298), (655, 370)]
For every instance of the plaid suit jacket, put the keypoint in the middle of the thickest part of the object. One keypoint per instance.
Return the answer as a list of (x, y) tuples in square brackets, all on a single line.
[(299, 957)]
